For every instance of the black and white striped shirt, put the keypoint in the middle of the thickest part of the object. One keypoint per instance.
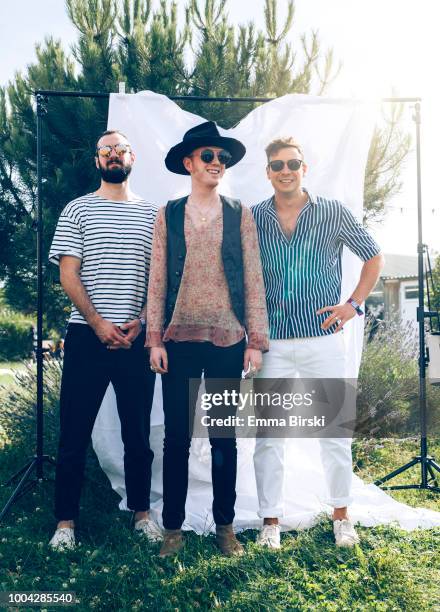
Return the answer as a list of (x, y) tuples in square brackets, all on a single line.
[(113, 241), (304, 273)]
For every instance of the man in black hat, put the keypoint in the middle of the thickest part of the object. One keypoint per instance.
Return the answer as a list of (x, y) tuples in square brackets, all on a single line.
[(206, 313)]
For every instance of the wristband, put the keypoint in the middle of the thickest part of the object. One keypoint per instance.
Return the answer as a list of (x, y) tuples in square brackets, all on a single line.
[(356, 306), (143, 322)]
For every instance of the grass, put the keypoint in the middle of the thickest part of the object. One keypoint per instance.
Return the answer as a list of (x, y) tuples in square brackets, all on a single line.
[(112, 569)]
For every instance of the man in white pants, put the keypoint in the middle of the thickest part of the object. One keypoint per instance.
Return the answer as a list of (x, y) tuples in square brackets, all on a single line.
[(301, 240)]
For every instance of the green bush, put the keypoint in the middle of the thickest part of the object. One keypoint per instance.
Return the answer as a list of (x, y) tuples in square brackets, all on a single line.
[(18, 413), (16, 336), (388, 385)]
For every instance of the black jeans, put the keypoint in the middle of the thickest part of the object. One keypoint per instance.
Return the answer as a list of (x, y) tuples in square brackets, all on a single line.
[(88, 369), (187, 360)]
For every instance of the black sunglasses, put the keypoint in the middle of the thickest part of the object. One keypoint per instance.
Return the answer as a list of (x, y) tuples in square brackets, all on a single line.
[(278, 164), (223, 156)]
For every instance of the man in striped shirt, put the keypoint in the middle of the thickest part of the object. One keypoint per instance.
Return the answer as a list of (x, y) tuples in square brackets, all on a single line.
[(102, 244), (301, 238)]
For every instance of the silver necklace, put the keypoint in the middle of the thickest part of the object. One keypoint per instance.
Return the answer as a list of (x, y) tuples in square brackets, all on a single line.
[(203, 216)]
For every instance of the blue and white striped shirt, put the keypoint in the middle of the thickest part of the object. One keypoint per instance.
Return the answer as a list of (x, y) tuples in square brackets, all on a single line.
[(304, 273)]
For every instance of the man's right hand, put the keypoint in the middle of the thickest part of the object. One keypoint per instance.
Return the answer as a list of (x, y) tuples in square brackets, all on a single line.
[(159, 360), (110, 334)]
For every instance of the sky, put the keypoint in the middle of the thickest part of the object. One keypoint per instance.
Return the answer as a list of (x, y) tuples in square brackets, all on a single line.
[(387, 48)]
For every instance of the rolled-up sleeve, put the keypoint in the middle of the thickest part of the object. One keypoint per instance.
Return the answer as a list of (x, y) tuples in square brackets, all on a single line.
[(256, 320), (67, 240), (354, 235), (157, 284)]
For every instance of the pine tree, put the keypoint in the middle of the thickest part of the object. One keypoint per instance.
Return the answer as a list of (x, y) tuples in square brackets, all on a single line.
[(388, 150), (125, 40)]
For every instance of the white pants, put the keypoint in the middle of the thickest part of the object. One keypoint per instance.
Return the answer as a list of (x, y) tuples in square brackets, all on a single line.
[(318, 357)]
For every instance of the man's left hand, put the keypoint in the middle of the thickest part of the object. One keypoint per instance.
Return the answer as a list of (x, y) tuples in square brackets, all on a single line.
[(132, 329), (254, 358), (339, 315)]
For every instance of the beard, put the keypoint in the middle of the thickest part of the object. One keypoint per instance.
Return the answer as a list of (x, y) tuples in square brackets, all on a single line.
[(117, 174)]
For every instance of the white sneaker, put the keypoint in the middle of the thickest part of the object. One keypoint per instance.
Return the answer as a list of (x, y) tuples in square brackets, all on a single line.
[(150, 529), (345, 534), (269, 536), (63, 539)]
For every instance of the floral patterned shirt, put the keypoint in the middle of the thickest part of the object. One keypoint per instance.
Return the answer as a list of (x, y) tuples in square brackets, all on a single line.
[(203, 310)]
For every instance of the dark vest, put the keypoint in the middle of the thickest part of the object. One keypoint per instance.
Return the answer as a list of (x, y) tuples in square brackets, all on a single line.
[(232, 255)]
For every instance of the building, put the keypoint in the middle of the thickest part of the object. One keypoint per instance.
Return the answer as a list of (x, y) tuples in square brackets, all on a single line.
[(397, 289)]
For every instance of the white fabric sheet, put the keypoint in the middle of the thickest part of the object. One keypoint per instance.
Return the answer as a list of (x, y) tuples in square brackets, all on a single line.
[(335, 135)]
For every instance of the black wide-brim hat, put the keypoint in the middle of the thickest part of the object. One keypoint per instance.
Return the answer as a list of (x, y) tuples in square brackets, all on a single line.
[(202, 135)]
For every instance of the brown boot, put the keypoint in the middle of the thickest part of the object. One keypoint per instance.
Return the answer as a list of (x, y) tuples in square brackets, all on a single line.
[(227, 542), (172, 542)]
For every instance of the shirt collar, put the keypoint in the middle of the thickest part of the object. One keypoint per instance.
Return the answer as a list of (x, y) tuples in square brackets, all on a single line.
[(312, 198), (270, 203)]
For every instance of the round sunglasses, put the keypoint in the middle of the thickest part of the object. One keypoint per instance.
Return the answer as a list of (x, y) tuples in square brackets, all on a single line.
[(208, 155), (278, 164), (106, 150)]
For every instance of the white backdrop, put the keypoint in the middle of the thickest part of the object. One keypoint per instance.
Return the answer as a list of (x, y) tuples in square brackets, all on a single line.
[(335, 135)]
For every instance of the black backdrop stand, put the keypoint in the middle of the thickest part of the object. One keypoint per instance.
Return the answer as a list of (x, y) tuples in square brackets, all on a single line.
[(32, 473), (428, 465)]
